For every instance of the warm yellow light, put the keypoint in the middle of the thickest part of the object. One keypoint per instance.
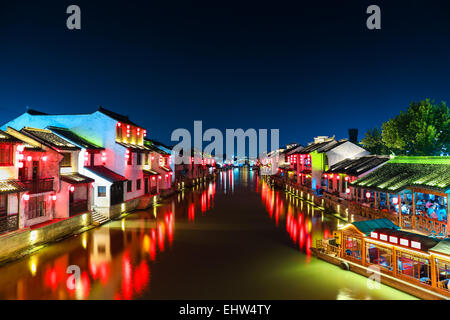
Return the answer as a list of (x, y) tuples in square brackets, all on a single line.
[(33, 266), (123, 224), (33, 235)]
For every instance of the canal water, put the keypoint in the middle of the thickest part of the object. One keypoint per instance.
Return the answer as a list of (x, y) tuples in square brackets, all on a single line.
[(234, 238)]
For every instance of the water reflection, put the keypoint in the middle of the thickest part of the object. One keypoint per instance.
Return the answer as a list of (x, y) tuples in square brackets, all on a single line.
[(115, 260), (139, 256), (304, 222)]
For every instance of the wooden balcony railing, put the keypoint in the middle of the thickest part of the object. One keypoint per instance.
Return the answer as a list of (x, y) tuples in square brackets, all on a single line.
[(39, 185), (9, 223)]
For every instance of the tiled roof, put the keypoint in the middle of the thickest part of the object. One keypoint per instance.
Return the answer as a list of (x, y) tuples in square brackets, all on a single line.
[(358, 166), (404, 172), (331, 146), (156, 149), (134, 147), (5, 137), (11, 186), (157, 143), (75, 178), (74, 138), (49, 138), (293, 150), (315, 146), (367, 226), (117, 116), (106, 173)]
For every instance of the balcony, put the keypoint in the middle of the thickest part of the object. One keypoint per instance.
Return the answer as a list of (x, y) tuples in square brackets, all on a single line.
[(78, 206), (39, 185), (9, 223)]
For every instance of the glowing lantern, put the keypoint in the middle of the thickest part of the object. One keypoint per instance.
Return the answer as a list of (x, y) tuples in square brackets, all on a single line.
[(153, 178), (29, 158), (20, 148), (348, 190), (368, 195), (346, 178), (71, 188), (44, 158), (20, 164), (338, 177), (54, 197), (395, 200), (119, 124), (325, 176), (26, 197), (20, 156), (159, 177)]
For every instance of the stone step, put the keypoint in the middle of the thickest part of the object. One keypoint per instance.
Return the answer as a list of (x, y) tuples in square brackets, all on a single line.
[(98, 219)]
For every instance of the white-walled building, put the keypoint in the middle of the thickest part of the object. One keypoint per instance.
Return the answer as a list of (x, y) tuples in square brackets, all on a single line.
[(117, 169)]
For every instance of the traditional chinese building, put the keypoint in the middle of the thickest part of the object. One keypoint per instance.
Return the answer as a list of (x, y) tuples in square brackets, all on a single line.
[(337, 179), (120, 169), (11, 189), (415, 189)]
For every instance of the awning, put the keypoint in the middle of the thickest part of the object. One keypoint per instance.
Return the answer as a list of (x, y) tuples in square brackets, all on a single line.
[(150, 172), (134, 147), (106, 173), (442, 247), (367, 226), (11, 186), (401, 173), (76, 178), (166, 169)]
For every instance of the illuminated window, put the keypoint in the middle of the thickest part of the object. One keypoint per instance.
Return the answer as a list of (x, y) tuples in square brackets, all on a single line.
[(102, 191), (414, 267), (379, 255), (67, 160), (119, 134), (6, 154)]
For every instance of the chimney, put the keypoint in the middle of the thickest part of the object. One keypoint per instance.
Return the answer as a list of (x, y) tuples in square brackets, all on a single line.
[(353, 135)]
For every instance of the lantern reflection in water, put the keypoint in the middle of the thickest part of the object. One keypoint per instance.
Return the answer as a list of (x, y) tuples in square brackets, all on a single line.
[(303, 221)]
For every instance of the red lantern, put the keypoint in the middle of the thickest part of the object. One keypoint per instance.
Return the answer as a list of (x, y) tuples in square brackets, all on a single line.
[(26, 197), (71, 188), (368, 195)]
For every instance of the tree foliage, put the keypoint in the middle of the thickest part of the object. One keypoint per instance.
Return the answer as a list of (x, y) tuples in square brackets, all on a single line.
[(373, 142), (423, 130)]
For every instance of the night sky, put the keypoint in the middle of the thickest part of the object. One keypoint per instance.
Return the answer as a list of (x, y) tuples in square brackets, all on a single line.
[(308, 68)]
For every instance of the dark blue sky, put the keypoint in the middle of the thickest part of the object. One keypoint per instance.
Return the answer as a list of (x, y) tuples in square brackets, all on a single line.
[(308, 69)]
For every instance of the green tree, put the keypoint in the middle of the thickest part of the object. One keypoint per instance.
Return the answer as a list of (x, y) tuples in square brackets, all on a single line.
[(424, 129), (373, 142)]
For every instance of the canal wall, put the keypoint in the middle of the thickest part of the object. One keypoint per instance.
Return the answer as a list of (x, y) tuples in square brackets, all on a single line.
[(19, 243)]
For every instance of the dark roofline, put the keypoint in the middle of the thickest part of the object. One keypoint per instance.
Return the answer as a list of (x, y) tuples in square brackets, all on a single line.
[(36, 113), (117, 116), (157, 143)]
